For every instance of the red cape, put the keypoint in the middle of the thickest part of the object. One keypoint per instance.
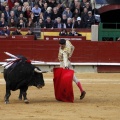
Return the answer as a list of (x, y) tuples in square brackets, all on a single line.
[(63, 88)]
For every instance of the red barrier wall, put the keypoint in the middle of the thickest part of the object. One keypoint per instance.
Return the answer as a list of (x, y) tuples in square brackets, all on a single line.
[(85, 51)]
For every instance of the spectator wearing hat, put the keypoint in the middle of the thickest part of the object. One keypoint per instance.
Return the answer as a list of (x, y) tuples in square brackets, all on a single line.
[(17, 31), (78, 23), (89, 20)]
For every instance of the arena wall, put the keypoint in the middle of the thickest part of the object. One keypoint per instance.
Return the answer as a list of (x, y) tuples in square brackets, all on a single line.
[(92, 52)]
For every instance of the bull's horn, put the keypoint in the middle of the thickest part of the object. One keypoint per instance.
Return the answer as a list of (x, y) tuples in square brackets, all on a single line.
[(38, 71)]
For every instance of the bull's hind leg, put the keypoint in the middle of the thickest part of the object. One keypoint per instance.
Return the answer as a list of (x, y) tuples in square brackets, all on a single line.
[(20, 95), (23, 92), (8, 93)]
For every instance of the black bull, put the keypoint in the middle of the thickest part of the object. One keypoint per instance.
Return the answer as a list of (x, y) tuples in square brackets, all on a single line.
[(21, 75)]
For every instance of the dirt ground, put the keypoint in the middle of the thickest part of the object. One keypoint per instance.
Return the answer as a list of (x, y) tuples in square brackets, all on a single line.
[(102, 101)]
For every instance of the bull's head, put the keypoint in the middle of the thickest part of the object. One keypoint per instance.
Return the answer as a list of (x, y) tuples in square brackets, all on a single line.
[(39, 77)]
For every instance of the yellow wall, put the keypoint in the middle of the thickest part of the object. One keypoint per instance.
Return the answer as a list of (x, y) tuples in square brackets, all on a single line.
[(87, 34)]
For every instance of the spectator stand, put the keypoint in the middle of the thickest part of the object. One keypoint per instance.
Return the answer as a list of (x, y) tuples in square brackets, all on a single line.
[(41, 33)]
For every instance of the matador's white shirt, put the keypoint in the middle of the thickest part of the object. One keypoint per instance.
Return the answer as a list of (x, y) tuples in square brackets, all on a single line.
[(65, 54)]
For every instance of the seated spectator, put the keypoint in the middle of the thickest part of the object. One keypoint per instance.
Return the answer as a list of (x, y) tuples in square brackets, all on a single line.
[(74, 33), (44, 8), (89, 20), (25, 6), (48, 13), (2, 15), (67, 12), (3, 23), (48, 23), (55, 13), (40, 4), (12, 23), (58, 23), (18, 11), (5, 31), (7, 13), (31, 33), (83, 4), (63, 32), (36, 11), (17, 31), (27, 12), (88, 6), (64, 19), (78, 23), (84, 15), (76, 13), (22, 17), (69, 23), (30, 23), (12, 15), (21, 23), (40, 23)]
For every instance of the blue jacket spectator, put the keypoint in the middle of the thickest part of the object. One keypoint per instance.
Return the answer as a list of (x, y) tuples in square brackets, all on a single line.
[(7, 13), (5, 31), (67, 12), (36, 11)]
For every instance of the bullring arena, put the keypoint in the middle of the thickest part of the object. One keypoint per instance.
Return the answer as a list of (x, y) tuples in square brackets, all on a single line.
[(102, 101)]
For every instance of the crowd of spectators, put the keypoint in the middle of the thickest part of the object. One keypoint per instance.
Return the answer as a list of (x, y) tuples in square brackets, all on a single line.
[(47, 14)]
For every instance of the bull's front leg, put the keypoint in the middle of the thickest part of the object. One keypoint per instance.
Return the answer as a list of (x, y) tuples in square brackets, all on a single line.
[(8, 93), (24, 93)]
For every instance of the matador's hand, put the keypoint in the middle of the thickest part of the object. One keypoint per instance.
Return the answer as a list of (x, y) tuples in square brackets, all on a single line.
[(66, 67)]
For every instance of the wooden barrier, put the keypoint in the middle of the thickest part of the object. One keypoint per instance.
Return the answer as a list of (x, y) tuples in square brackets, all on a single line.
[(47, 50), (65, 37), (85, 52), (18, 37)]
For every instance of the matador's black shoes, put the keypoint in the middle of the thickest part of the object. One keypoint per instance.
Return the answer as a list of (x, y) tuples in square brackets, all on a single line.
[(82, 95)]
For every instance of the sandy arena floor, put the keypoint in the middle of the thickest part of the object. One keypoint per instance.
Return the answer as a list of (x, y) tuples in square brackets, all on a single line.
[(102, 101)]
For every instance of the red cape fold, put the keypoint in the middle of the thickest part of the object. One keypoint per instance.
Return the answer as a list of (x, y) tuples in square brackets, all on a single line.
[(63, 88)]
